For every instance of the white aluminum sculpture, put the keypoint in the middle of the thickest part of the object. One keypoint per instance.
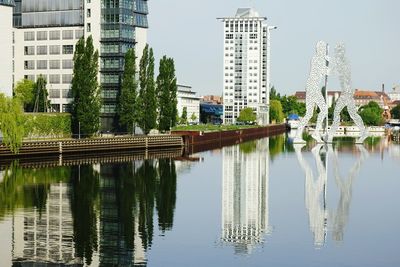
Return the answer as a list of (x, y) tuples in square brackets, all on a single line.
[(343, 70), (314, 97)]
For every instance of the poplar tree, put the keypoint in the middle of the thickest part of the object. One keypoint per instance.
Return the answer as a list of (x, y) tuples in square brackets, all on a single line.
[(147, 103), (127, 104), (86, 103), (11, 122), (166, 94), (41, 96)]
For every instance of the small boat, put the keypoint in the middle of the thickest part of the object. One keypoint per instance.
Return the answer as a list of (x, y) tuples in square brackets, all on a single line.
[(293, 121)]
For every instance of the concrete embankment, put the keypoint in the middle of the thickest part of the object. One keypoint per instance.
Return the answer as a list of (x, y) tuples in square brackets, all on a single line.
[(196, 141)]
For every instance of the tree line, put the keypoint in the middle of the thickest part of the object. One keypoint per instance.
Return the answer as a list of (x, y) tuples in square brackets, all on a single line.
[(143, 100)]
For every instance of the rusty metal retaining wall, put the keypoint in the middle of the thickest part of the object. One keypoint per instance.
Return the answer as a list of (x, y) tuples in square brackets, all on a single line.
[(197, 141)]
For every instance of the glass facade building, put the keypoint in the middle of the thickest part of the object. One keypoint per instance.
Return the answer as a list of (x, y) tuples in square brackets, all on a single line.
[(119, 20)]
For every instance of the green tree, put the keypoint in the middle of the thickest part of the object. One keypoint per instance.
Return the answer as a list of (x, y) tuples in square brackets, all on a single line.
[(11, 122), (184, 116), (372, 114), (275, 111), (86, 102), (166, 94), (147, 102), (274, 95), (127, 109), (396, 112), (193, 118), (247, 115), (24, 91), (42, 103)]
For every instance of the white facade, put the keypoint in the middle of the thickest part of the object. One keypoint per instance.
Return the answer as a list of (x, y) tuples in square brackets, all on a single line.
[(245, 187), (245, 64), (48, 52), (395, 93), (6, 53), (186, 98)]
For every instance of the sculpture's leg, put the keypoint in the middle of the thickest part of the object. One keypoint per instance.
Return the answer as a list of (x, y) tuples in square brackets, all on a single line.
[(336, 119), (303, 122), (323, 113), (358, 121)]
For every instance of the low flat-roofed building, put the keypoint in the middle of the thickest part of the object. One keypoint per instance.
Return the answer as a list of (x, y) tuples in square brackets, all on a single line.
[(187, 98)]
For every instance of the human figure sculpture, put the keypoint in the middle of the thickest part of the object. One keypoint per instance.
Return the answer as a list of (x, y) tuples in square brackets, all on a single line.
[(343, 70), (314, 95)]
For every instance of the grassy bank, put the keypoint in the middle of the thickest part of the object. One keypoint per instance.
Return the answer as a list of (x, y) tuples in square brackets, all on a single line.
[(211, 127)]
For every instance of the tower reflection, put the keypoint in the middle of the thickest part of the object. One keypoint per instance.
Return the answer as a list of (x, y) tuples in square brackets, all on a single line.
[(320, 217), (245, 182)]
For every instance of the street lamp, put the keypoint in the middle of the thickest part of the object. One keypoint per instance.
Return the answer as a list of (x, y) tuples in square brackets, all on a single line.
[(268, 79)]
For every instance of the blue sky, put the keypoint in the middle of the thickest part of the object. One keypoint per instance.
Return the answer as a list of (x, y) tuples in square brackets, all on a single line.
[(189, 32)]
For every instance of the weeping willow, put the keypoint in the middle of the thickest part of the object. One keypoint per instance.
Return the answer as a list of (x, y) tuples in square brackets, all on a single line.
[(11, 123)]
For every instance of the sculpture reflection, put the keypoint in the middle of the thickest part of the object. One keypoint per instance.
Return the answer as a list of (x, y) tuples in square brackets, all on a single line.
[(245, 211), (320, 219)]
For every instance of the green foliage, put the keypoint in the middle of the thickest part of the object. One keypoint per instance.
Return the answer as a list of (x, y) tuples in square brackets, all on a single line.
[(275, 112), (193, 117), (166, 94), (11, 122), (42, 103), (47, 125), (147, 102), (127, 105), (24, 91), (184, 116), (372, 114), (290, 105), (274, 95), (86, 102), (248, 147), (247, 115), (395, 112)]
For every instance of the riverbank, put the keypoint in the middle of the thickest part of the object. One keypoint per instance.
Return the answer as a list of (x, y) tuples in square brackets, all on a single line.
[(190, 141)]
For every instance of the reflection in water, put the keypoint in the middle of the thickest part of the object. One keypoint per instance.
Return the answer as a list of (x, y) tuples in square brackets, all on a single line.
[(89, 214), (245, 217), (315, 194), (316, 191)]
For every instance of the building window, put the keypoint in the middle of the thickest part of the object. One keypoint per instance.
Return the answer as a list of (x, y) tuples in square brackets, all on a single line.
[(54, 50), (41, 50), (42, 35), (54, 79), (54, 65), (29, 36), (41, 64), (68, 34), (68, 49), (89, 13), (66, 78), (54, 93), (67, 93), (67, 64), (78, 34), (29, 50), (54, 35), (88, 27), (29, 64)]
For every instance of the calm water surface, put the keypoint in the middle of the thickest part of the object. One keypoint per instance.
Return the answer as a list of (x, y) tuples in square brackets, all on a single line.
[(261, 203)]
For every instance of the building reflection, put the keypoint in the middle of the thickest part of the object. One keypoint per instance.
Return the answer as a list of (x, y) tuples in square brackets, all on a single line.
[(99, 215), (320, 217), (245, 181)]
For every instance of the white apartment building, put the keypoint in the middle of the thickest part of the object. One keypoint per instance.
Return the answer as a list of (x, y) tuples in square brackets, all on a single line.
[(186, 98), (46, 32), (6, 29), (245, 189), (394, 95), (245, 65)]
